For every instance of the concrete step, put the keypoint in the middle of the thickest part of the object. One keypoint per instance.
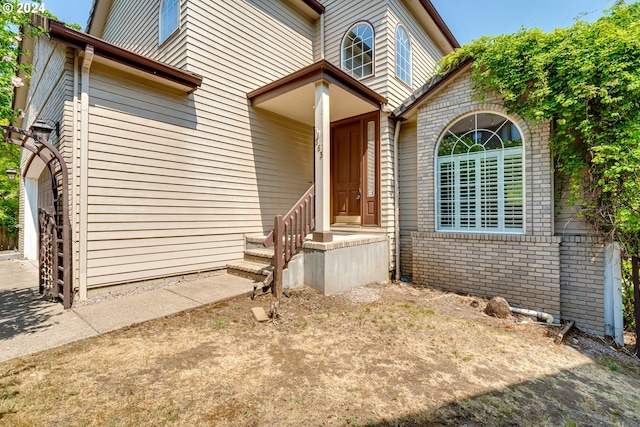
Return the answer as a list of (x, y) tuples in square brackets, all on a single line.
[(254, 241), (257, 271), (261, 255)]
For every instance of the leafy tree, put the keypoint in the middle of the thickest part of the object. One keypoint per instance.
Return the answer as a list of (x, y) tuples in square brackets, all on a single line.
[(14, 22), (585, 80), (9, 195)]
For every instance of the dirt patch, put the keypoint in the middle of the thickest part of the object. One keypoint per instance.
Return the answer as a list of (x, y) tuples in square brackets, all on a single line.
[(392, 355)]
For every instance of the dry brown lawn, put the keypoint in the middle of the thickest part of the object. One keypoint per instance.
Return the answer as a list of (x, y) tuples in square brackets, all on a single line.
[(415, 356)]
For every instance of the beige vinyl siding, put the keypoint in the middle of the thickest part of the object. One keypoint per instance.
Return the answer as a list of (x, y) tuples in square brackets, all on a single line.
[(177, 180), (408, 186), (51, 92), (424, 54), (567, 222), (133, 25), (50, 97), (340, 16), (45, 193)]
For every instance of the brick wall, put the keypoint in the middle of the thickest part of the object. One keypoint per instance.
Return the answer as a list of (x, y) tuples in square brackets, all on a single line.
[(582, 281), (559, 274), (523, 269)]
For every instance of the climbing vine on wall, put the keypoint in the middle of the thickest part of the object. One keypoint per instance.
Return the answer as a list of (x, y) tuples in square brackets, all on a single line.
[(585, 80)]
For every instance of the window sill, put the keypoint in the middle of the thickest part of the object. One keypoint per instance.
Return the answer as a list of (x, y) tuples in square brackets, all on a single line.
[(496, 237)]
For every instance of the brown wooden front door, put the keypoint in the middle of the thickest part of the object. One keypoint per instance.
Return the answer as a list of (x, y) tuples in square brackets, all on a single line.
[(354, 169)]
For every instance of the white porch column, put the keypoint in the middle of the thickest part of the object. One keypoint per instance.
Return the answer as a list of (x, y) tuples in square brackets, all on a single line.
[(322, 160)]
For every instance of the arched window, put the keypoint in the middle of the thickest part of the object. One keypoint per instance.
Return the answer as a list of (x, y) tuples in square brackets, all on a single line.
[(357, 51), (479, 176), (169, 18), (403, 55)]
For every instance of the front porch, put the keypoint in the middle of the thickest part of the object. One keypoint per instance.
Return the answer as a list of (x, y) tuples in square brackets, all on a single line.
[(344, 202), (352, 259)]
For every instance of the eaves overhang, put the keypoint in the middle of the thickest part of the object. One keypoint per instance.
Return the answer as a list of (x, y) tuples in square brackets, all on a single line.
[(315, 6), (446, 32), (293, 95), (78, 40)]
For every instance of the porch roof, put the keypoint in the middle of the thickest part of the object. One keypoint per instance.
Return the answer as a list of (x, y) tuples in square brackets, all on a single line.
[(293, 95)]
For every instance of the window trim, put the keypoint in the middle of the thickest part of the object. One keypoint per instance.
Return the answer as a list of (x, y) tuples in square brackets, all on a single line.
[(373, 50), (436, 178), (410, 59), (161, 40)]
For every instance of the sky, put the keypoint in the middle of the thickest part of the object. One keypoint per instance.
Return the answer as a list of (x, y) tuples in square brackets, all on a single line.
[(467, 19)]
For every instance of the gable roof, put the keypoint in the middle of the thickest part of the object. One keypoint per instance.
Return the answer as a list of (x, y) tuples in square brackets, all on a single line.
[(428, 90), (68, 36)]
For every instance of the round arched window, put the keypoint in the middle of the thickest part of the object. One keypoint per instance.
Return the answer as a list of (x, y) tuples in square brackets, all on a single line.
[(357, 51), (479, 176), (403, 55)]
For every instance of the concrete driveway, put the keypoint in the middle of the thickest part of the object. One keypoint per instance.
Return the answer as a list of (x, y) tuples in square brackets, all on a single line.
[(29, 324)]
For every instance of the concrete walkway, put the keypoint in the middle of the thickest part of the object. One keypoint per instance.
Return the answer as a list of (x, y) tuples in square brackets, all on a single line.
[(29, 324)]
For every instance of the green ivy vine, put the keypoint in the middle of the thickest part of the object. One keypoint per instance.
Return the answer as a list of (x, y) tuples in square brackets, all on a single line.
[(584, 80)]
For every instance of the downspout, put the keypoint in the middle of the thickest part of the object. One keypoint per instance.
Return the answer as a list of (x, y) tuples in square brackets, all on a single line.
[(84, 167), (396, 197), (322, 36), (74, 169)]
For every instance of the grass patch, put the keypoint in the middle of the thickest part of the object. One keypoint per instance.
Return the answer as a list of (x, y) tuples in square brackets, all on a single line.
[(218, 324)]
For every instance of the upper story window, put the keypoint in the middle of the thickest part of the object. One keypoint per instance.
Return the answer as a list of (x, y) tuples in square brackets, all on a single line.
[(403, 55), (479, 181), (169, 18), (357, 50)]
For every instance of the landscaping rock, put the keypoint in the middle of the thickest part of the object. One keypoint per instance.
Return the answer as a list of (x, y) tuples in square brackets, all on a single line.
[(498, 307), (260, 314)]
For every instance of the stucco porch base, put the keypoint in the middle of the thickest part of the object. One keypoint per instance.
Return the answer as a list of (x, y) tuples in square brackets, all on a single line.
[(345, 263)]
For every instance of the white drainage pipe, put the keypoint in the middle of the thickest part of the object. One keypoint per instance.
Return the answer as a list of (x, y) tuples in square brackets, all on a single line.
[(541, 316)]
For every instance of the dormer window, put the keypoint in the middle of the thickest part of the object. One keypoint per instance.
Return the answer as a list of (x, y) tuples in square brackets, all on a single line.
[(169, 18), (403, 55), (357, 50)]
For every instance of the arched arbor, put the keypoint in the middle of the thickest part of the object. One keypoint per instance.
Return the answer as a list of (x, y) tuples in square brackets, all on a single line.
[(55, 270)]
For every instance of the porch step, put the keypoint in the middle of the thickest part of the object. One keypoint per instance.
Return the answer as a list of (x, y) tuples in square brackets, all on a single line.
[(350, 229), (255, 241), (260, 255), (257, 271)]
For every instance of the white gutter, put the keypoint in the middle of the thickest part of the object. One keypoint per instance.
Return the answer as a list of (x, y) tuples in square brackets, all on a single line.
[(396, 197), (84, 167)]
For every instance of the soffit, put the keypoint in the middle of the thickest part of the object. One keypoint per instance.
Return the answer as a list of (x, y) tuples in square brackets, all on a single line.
[(293, 96)]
